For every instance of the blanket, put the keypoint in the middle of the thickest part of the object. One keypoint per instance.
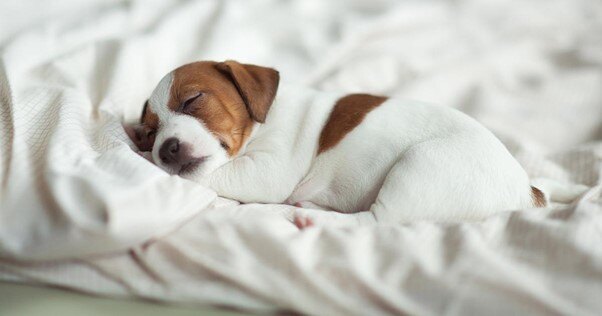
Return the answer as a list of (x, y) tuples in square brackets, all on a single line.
[(80, 209)]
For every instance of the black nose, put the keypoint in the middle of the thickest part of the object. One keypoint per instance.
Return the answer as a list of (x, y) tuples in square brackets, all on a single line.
[(178, 155), (171, 153)]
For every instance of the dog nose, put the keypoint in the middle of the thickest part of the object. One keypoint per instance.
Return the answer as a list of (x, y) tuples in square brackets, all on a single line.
[(178, 155), (170, 152)]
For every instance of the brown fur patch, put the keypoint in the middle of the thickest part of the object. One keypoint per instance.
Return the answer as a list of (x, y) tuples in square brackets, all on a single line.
[(149, 119), (538, 198), (257, 86), (143, 134), (348, 112), (220, 107)]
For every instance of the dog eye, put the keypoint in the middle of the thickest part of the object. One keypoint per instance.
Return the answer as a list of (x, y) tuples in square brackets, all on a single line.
[(184, 107), (224, 145)]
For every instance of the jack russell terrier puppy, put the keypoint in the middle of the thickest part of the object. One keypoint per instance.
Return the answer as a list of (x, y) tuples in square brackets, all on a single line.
[(231, 127)]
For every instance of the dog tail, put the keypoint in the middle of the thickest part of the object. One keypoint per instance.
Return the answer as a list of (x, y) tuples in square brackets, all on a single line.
[(544, 191), (539, 199)]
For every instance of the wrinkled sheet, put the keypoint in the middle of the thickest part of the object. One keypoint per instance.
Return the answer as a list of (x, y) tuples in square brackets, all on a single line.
[(79, 209)]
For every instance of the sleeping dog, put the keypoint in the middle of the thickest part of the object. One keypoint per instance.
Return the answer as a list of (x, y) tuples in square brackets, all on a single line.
[(231, 127)]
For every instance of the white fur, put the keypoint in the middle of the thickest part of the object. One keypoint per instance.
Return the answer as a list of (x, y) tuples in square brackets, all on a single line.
[(405, 161), (192, 132), (188, 130), (160, 97)]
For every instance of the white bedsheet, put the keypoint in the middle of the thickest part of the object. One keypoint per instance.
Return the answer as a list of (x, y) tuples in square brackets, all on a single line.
[(79, 209)]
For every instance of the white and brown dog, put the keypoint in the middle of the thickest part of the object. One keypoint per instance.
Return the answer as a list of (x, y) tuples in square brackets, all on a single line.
[(231, 127)]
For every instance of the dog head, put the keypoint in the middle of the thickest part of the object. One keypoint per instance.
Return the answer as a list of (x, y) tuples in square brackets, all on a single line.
[(201, 114)]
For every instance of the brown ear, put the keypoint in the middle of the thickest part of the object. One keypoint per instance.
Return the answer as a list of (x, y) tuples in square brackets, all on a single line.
[(142, 136), (257, 86)]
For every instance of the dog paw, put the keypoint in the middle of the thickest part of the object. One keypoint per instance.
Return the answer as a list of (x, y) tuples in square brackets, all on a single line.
[(302, 221)]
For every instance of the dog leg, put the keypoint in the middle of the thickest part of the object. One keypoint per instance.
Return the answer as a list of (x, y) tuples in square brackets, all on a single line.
[(249, 180), (440, 180)]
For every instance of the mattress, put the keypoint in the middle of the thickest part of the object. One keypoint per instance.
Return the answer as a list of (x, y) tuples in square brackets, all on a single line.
[(81, 210)]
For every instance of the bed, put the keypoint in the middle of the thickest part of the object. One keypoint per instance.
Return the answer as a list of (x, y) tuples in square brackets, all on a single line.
[(80, 210)]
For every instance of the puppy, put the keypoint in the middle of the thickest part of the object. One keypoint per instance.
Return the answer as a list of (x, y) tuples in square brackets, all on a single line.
[(231, 127)]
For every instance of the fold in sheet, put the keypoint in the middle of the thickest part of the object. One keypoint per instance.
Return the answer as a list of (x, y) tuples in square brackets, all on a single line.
[(80, 209)]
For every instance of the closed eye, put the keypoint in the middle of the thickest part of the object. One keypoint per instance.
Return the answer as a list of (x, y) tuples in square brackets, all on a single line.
[(185, 106), (224, 145)]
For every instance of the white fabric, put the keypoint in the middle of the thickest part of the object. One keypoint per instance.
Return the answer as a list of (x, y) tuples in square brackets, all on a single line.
[(71, 71)]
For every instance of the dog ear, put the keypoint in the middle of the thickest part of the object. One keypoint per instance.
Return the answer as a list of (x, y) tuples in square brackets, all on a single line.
[(257, 85), (142, 136)]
